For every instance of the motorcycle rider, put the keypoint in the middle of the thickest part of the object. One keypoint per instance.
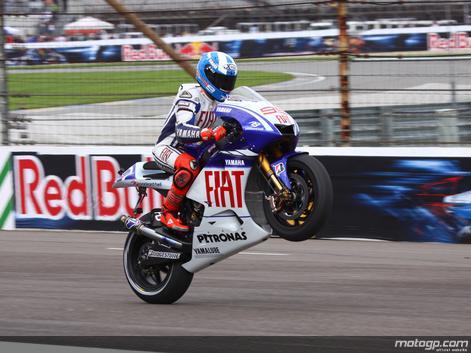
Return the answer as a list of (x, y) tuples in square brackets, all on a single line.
[(190, 120)]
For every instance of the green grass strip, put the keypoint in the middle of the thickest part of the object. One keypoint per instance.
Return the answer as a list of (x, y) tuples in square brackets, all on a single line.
[(54, 89)]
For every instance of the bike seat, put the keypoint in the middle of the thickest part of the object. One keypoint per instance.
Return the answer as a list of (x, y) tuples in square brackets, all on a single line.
[(162, 175), (159, 173), (151, 165)]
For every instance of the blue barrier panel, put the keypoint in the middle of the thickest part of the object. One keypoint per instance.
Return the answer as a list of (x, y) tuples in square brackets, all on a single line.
[(400, 198)]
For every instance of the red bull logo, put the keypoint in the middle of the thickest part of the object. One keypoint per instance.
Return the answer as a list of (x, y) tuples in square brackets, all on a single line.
[(457, 41), (195, 49), (150, 52), (147, 52)]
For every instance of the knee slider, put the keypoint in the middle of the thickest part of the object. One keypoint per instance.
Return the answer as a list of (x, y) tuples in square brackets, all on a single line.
[(182, 178), (186, 161)]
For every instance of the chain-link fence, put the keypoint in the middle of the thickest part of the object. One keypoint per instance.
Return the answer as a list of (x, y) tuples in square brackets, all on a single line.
[(78, 73)]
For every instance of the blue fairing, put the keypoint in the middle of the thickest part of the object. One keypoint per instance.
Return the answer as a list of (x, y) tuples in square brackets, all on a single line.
[(280, 167), (260, 125), (226, 160), (258, 132), (130, 174), (197, 149)]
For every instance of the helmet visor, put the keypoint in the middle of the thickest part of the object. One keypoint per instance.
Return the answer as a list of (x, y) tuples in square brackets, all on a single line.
[(224, 82)]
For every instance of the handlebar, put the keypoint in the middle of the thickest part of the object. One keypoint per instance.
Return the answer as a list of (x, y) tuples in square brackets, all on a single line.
[(233, 132)]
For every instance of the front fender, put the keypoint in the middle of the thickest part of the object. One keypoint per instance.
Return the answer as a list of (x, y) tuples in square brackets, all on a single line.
[(280, 167)]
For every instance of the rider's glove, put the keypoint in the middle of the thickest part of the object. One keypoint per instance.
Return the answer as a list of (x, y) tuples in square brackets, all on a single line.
[(219, 133), (216, 134), (207, 134)]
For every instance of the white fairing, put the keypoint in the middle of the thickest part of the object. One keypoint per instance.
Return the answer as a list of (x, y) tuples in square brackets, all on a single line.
[(227, 227), (136, 175), (221, 233)]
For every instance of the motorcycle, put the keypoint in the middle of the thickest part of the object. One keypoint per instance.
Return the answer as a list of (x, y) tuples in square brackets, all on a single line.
[(252, 184)]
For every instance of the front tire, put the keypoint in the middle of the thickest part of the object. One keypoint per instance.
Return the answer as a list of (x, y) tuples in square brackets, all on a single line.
[(313, 189), (158, 284)]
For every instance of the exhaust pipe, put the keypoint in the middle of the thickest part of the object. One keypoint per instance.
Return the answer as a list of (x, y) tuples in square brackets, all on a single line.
[(133, 223)]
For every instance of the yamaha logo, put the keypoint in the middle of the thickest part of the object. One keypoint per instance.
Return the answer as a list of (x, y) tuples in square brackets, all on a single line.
[(235, 162)]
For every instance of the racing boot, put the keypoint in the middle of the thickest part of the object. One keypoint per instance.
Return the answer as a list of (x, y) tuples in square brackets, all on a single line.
[(186, 171), (169, 217), (172, 222)]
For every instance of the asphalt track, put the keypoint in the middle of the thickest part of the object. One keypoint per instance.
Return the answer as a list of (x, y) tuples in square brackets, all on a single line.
[(72, 283)]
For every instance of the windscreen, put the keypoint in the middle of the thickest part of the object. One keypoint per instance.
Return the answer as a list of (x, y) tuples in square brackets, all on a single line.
[(244, 93)]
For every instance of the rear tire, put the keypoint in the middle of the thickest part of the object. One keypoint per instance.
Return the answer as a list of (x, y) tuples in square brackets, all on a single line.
[(162, 284), (313, 182)]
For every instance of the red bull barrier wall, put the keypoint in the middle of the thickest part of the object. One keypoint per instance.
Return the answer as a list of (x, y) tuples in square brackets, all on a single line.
[(60, 189), (411, 194), (445, 40)]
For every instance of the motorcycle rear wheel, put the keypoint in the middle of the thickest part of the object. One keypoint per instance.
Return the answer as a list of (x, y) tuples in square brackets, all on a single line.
[(313, 204), (158, 284)]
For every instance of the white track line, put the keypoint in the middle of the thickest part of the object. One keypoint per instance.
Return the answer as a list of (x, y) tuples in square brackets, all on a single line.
[(263, 253), (316, 78), (12, 347)]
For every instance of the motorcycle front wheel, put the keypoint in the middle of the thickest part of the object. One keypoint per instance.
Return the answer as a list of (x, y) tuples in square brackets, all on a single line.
[(302, 218), (157, 284)]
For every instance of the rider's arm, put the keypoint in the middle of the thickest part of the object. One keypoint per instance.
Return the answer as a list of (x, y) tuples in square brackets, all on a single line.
[(186, 132), (185, 128)]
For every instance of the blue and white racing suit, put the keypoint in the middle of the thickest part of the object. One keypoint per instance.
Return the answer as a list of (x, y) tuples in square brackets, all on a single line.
[(192, 110)]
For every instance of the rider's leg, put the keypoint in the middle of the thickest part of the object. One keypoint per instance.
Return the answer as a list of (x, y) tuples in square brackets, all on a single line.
[(185, 171)]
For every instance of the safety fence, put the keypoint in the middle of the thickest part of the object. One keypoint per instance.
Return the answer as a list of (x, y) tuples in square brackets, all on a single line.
[(74, 72), (435, 124), (411, 194), (432, 124)]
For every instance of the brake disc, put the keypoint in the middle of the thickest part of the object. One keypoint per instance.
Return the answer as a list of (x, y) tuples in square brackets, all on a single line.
[(300, 202)]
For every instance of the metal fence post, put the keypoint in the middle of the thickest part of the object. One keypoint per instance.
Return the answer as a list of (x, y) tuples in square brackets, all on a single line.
[(447, 126), (386, 121), (345, 121), (466, 14), (3, 80), (327, 127), (149, 33)]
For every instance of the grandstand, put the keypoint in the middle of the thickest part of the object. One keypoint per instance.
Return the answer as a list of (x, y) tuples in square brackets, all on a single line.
[(230, 14), (179, 17)]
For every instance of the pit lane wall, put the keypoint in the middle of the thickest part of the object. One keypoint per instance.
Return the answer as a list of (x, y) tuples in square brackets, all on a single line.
[(412, 194)]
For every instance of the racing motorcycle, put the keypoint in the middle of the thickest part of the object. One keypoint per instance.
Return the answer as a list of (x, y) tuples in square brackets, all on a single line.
[(252, 184)]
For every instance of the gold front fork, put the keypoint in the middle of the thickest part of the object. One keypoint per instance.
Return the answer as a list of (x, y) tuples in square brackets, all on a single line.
[(269, 174), (282, 195)]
